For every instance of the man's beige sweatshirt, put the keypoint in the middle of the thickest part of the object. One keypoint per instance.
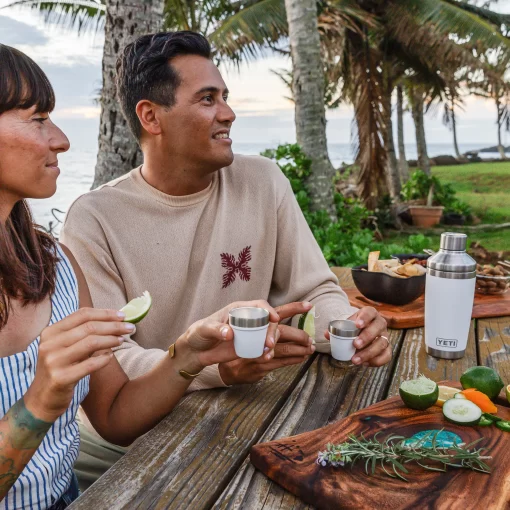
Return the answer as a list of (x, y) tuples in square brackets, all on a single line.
[(243, 238)]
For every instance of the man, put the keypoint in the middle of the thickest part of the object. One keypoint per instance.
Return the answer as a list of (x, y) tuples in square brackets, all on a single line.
[(200, 228)]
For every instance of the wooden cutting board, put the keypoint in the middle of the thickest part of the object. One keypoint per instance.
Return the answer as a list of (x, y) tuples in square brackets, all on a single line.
[(291, 462), (413, 314)]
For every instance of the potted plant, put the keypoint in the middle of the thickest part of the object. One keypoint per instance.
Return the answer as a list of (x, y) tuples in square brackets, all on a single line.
[(420, 192)]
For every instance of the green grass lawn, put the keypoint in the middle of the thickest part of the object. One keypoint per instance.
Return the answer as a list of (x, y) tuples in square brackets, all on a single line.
[(484, 186), (494, 241)]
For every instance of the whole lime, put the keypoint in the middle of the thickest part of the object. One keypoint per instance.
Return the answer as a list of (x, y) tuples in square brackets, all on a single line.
[(484, 379)]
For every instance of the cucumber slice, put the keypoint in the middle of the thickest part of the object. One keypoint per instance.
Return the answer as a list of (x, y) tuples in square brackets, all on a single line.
[(459, 395), (461, 412)]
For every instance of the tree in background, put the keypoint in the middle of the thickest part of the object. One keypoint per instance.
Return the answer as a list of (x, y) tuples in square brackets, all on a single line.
[(236, 30), (308, 93), (402, 160), (490, 83)]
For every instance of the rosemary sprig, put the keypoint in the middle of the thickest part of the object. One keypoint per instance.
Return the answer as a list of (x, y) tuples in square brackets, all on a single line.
[(393, 454)]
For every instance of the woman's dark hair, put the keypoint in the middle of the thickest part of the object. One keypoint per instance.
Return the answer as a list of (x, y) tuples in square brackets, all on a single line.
[(144, 70), (28, 256)]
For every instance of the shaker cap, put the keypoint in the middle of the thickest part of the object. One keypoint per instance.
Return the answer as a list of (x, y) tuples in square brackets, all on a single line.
[(452, 256), (453, 241)]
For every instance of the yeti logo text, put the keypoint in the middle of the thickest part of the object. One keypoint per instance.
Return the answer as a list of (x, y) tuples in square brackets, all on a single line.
[(444, 342)]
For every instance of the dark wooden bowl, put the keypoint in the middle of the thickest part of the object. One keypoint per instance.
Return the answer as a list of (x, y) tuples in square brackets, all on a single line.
[(384, 288)]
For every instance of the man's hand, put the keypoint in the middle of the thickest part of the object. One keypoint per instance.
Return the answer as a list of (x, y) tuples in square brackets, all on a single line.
[(372, 345), (293, 346)]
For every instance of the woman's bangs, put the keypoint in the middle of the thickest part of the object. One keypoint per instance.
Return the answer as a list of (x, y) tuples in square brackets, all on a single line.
[(23, 83)]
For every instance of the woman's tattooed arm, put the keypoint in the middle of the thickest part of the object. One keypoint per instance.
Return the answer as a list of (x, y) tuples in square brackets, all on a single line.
[(21, 433)]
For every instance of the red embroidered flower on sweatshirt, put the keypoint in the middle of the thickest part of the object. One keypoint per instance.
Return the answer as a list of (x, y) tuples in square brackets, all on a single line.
[(234, 267)]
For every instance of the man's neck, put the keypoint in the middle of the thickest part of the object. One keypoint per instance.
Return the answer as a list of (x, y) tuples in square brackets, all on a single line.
[(174, 177)]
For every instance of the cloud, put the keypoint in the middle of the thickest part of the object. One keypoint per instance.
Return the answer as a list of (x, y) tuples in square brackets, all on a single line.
[(14, 33), (78, 112)]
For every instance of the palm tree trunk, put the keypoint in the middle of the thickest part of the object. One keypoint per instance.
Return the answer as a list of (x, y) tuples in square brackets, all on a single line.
[(402, 160), (125, 21), (454, 130), (501, 149), (392, 173), (308, 92), (419, 124)]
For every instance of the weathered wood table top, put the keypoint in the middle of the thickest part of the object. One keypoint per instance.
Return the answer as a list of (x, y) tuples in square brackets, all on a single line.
[(197, 457)]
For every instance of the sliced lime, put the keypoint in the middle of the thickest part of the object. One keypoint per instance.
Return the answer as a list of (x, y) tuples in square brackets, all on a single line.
[(137, 308), (307, 323), (419, 393)]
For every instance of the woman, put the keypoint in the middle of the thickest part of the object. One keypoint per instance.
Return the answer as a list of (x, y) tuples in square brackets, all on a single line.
[(55, 349)]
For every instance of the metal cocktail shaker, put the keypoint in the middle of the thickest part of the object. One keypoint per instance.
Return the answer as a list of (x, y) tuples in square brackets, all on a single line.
[(449, 296)]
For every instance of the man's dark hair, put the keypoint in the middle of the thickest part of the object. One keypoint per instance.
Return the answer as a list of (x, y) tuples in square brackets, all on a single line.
[(144, 70)]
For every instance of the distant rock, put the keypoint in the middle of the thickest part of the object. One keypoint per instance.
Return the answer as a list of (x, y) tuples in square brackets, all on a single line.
[(445, 159), (494, 148)]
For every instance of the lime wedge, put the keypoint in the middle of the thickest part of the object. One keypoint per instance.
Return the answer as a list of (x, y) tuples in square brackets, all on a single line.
[(137, 308), (307, 323), (508, 393)]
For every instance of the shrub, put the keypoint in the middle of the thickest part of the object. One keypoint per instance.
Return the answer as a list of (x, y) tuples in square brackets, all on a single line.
[(345, 242)]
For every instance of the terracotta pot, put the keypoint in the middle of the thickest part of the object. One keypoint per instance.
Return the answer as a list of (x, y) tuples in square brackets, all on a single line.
[(424, 216)]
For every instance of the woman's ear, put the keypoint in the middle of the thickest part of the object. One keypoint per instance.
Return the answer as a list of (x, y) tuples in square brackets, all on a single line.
[(147, 115)]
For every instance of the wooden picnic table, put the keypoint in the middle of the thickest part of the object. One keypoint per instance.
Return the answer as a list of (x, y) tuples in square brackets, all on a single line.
[(198, 456)]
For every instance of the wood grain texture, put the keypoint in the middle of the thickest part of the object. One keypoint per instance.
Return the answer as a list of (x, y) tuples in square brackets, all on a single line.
[(188, 459), (328, 392), (494, 348), (413, 360), (413, 314), (344, 277), (292, 463)]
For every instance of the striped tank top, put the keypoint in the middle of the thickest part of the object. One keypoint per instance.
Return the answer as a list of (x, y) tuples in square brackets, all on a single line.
[(48, 474)]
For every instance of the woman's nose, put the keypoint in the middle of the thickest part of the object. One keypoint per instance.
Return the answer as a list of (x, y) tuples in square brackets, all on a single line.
[(59, 141)]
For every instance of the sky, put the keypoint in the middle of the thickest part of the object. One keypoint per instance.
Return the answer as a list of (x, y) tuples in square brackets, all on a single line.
[(73, 65)]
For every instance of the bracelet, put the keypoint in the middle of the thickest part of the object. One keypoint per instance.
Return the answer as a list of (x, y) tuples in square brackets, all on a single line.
[(183, 373)]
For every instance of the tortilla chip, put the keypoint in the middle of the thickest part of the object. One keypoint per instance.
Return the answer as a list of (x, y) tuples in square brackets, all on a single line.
[(373, 257)]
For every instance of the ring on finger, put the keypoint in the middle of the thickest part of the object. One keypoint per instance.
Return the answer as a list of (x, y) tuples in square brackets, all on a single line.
[(386, 338)]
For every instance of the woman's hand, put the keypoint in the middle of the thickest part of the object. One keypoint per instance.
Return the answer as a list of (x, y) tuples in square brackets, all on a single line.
[(68, 351), (210, 341)]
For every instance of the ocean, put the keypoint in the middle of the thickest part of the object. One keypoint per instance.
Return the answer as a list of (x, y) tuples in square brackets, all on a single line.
[(77, 172)]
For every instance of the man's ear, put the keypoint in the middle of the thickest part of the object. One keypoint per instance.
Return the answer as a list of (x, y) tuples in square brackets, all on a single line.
[(147, 113)]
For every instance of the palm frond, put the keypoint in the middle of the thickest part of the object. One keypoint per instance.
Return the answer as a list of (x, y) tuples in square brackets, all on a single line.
[(450, 18), (497, 18), (365, 93), (80, 15), (250, 30)]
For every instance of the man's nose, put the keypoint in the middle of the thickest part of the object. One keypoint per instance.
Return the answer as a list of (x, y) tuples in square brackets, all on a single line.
[(226, 114)]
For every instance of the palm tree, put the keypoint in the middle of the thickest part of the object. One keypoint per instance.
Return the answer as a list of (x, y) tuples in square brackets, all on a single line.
[(452, 103), (234, 30), (308, 92), (402, 160), (413, 39), (492, 84), (417, 98)]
